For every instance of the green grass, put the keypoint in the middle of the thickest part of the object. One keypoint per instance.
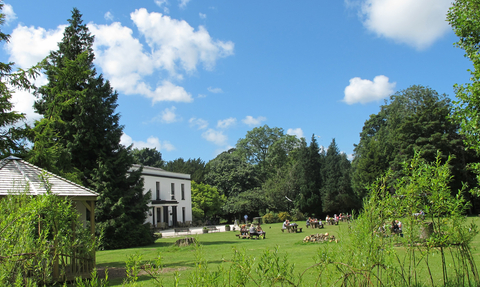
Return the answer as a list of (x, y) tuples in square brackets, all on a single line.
[(218, 247)]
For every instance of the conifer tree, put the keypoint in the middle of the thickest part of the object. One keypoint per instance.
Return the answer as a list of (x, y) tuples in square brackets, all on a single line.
[(337, 193), (310, 180), (80, 130)]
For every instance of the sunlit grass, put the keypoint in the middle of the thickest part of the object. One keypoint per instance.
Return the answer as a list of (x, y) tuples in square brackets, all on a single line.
[(218, 248)]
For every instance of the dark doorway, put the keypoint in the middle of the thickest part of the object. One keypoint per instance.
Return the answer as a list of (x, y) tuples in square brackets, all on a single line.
[(174, 217)]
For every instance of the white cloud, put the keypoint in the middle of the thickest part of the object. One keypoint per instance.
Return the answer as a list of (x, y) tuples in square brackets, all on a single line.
[(183, 3), (202, 96), (217, 137), (161, 3), (251, 121), (364, 91), (298, 132), (108, 16), (215, 90), (29, 45), (223, 124), (173, 46), (175, 41), (123, 61), (418, 23), (202, 16), (9, 13), (152, 142), (169, 116), (199, 123)]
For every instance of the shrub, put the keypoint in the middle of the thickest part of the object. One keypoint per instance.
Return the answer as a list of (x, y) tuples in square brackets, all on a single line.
[(270, 218), (284, 215), (297, 215)]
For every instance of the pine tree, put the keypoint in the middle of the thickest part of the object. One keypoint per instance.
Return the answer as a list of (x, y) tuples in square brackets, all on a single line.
[(337, 193), (310, 180), (81, 131)]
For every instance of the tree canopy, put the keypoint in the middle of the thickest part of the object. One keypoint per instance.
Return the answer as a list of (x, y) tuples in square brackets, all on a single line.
[(464, 17), (79, 138)]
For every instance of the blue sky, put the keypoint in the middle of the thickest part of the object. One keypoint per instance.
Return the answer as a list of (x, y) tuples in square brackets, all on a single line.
[(194, 76)]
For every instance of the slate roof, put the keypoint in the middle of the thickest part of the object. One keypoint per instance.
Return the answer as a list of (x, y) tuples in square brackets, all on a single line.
[(16, 174)]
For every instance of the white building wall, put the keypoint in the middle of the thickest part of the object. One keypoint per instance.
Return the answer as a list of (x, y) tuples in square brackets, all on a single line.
[(165, 178)]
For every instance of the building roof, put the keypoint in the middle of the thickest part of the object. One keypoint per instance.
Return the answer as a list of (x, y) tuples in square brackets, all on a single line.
[(156, 171), (16, 174)]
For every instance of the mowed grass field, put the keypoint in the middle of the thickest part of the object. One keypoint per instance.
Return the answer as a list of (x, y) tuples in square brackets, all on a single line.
[(218, 247)]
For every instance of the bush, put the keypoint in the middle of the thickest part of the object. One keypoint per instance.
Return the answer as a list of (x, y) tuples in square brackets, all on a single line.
[(298, 216), (270, 218), (284, 216)]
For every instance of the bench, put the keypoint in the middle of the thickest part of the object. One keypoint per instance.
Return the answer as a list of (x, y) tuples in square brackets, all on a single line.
[(212, 228), (296, 230), (181, 229)]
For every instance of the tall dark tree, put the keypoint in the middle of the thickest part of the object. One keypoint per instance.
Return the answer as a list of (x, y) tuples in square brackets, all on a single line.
[(80, 130), (337, 193), (309, 168), (148, 157), (194, 167), (414, 119)]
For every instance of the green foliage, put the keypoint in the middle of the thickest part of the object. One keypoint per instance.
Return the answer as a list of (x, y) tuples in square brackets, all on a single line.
[(414, 119), (12, 134), (252, 202), (34, 230), (266, 148), (464, 17), (270, 217), (93, 281), (369, 254), (309, 173), (206, 200), (79, 138), (194, 167), (148, 157), (284, 216), (337, 193), (230, 174)]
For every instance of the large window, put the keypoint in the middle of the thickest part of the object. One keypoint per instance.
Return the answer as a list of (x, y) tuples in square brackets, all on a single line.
[(158, 190), (173, 191), (183, 191)]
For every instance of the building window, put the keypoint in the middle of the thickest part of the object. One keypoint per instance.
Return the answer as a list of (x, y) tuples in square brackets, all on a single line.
[(158, 190), (183, 191), (183, 214), (173, 191)]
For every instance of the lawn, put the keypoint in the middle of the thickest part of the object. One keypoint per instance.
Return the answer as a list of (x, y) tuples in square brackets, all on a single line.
[(218, 247)]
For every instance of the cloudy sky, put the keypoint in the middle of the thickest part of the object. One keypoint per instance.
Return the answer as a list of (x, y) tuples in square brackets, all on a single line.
[(194, 76)]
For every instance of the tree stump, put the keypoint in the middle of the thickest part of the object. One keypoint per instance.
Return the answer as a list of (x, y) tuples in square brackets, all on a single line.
[(426, 230), (185, 241)]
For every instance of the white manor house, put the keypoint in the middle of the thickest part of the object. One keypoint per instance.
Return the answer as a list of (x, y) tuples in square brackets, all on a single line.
[(171, 203)]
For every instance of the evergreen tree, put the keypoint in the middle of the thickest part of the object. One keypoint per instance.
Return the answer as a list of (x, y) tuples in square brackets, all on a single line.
[(81, 132), (310, 181), (337, 193)]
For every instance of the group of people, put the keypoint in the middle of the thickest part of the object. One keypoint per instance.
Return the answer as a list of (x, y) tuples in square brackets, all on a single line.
[(253, 230), (314, 222), (395, 228)]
